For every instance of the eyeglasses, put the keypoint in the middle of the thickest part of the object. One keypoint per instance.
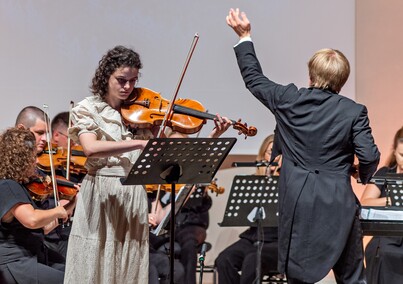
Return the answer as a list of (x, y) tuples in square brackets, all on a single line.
[(62, 134), (122, 81)]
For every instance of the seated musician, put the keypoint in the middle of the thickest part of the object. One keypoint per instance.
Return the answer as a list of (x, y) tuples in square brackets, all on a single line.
[(33, 118), (384, 255), (159, 264), (23, 257), (59, 127), (241, 256)]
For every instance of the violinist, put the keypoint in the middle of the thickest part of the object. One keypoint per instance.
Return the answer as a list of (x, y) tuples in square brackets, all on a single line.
[(108, 242), (111, 220), (33, 118), (59, 127), (242, 255), (23, 256)]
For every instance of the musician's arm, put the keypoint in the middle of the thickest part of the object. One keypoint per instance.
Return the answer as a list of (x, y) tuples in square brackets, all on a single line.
[(371, 196)]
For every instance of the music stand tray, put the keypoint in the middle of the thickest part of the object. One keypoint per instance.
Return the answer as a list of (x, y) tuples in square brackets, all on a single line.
[(248, 193), (198, 160)]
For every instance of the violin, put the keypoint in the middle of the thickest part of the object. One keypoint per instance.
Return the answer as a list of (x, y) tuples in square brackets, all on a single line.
[(164, 187), (145, 108), (41, 188), (59, 156), (43, 160), (213, 187), (77, 160), (38, 190)]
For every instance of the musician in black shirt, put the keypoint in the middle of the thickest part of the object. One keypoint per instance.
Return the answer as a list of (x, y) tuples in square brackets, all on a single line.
[(384, 255), (23, 256)]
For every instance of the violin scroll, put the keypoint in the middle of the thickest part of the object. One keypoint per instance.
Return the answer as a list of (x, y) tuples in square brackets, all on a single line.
[(244, 129), (213, 187)]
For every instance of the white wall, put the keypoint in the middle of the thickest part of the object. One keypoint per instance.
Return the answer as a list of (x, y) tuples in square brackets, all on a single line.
[(50, 49)]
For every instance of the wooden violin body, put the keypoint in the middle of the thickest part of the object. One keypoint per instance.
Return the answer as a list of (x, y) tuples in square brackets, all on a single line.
[(145, 108), (164, 187), (59, 156), (43, 160), (40, 188), (213, 187)]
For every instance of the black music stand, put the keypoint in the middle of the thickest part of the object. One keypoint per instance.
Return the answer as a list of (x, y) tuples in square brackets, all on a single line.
[(179, 161), (384, 226), (253, 201), (393, 187)]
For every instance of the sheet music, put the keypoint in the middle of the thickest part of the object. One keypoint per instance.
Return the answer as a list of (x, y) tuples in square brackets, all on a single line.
[(180, 199), (382, 214)]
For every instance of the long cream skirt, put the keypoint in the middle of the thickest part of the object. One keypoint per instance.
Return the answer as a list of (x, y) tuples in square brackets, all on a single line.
[(109, 238)]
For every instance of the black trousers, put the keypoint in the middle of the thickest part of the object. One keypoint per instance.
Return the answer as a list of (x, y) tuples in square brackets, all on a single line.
[(349, 269), (190, 237), (159, 269), (19, 273), (242, 256)]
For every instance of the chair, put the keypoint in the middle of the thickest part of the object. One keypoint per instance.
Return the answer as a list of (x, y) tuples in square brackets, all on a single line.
[(273, 278)]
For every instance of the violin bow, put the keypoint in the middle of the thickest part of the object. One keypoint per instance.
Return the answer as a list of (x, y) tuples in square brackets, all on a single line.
[(69, 143), (157, 198), (52, 166), (171, 104)]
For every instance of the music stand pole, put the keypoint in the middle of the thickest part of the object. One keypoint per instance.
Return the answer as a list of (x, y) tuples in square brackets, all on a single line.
[(387, 191), (259, 243), (171, 175), (178, 160)]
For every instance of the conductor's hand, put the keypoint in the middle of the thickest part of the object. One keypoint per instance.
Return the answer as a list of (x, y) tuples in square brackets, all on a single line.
[(239, 23)]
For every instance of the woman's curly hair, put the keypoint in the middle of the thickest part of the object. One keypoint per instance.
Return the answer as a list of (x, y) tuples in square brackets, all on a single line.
[(18, 154), (115, 58)]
